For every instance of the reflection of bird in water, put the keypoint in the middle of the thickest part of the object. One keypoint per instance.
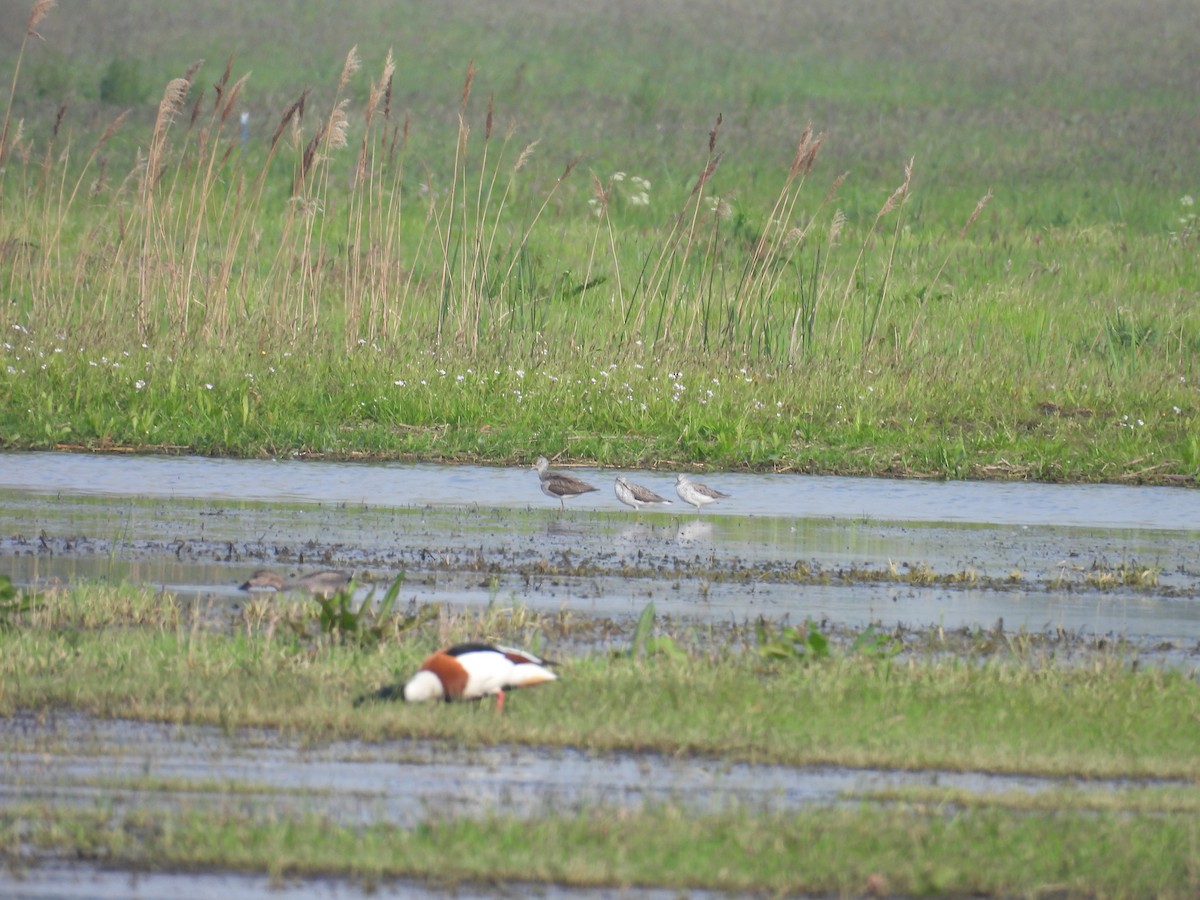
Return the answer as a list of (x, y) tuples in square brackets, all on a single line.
[(468, 672), (637, 496), (695, 493), (695, 530), (559, 485), (325, 583)]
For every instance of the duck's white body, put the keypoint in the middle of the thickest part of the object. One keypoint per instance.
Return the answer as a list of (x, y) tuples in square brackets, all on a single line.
[(470, 672)]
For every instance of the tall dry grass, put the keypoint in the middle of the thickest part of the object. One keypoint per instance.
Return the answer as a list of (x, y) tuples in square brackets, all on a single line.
[(326, 232)]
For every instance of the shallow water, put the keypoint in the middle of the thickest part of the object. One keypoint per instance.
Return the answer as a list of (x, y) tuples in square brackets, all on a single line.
[(75, 759), (469, 536), (781, 496), (60, 881)]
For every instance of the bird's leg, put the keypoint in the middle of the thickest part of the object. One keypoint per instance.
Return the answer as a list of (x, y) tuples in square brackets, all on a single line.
[(499, 703)]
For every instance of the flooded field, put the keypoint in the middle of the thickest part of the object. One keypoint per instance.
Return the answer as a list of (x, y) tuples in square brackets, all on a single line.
[(848, 551), (1093, 562)]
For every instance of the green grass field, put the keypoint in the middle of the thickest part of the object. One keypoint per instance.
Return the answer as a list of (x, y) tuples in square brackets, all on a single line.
[(506, 243), (918, 704)]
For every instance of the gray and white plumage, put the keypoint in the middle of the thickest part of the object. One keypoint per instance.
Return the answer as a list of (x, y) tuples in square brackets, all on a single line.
[(635, 495), (559, 485), (697, 494)]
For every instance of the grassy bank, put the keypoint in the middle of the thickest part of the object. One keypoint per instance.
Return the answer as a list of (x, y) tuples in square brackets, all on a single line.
[(640, 253), (127, 653), (908, 850)]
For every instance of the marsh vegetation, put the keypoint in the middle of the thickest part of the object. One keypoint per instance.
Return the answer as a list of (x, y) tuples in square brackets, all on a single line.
[(732, 249)]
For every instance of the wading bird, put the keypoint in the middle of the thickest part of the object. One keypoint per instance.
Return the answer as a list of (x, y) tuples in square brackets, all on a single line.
[(697, 494), (325, 583), (635, 495), (559, 485)]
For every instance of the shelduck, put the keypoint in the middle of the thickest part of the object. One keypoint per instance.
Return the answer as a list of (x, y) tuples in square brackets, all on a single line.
[(468, 672)]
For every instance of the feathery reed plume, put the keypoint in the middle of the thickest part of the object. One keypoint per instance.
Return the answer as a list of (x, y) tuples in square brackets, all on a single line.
[(349, 67), (801, 152), (232, 97), (712, 135), (466, 91), (836, 226), (58, 119), (40, 10), (487, 128), (833, 188), (899, 194), (810, 154), (524, 156), (338, 123), (110, 130), (381, 91), (171, 104), (387, 93), (190, 74), (983, 201), (294, 110)]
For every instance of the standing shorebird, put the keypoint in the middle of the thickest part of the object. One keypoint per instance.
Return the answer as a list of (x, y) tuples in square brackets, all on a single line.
[(468, 672), (637, 496), (325, 583), (558, 485), (697, 494)]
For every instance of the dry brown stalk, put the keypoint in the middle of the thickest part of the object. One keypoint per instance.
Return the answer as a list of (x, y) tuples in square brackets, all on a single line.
[(983, 201), (310, 154), (709, 171), (599, 193), (40, 10), (219, 87), (466, 91), (295, 110), (227, 109)]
